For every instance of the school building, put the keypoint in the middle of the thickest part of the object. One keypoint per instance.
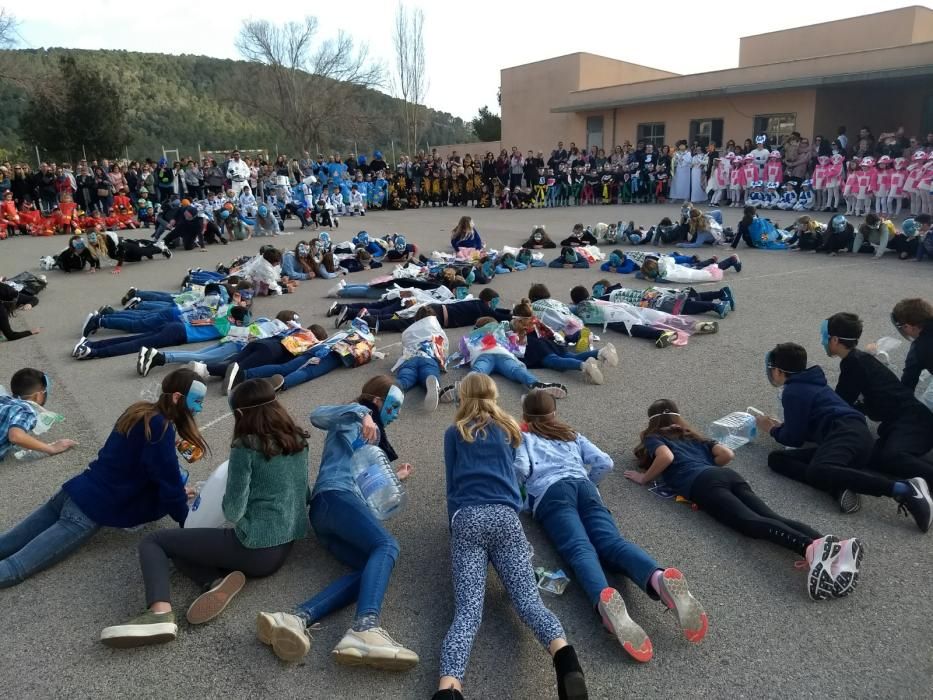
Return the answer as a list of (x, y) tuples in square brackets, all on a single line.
[(806, 79)]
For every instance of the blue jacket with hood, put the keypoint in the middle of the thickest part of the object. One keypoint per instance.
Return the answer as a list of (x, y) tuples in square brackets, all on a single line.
[(810, 409)]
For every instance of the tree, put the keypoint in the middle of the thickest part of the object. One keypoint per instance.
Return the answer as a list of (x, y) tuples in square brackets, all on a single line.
[(411, 82), (486, 125), (76, 110), (307, 89)]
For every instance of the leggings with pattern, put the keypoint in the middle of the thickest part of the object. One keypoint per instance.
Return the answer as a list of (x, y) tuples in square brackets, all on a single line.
[(479, 535)]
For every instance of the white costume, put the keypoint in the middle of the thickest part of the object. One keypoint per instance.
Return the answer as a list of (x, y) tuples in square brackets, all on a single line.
[(357, 204), (697, 176), (680, 185), (238, 174)]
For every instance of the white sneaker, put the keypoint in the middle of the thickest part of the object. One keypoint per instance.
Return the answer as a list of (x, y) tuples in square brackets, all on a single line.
[(199, 368), (285, 633), (334, 291), (431, 393), (374, 648), (819, 555), (845, 566), (608, 354), (591, 371)]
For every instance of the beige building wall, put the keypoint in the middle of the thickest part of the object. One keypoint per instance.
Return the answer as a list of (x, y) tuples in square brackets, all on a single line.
[(599, 71), (907, 25), (737, 113)]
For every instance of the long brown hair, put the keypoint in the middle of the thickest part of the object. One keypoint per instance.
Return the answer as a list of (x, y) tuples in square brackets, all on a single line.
[(376, 388), (665, 421), (463, 228), (175, 411), (478, 409), (262, 423), (539, 411)]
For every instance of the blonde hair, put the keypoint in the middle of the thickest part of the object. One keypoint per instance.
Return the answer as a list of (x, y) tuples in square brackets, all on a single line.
[(478, 409)]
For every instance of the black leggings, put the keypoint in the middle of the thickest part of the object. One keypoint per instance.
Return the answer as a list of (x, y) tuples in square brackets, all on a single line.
[(728, 498), (6, 329), (203, 555), (645, 332), (837, 463), (255, 354)]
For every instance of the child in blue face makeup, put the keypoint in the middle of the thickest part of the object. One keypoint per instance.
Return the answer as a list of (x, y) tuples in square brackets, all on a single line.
[(134, 480)]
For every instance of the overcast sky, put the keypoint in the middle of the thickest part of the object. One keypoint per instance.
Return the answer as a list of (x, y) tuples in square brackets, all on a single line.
[(467, 42)]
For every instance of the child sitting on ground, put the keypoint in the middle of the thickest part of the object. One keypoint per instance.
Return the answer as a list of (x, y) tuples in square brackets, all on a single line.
[(19, 414), (913, 319), (837, 465)]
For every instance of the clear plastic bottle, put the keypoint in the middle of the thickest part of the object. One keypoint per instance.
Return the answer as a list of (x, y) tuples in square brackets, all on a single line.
[(735, 429), (377, 481)]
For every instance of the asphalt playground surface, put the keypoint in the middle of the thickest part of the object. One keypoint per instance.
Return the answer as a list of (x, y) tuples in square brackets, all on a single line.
[(767, 639)]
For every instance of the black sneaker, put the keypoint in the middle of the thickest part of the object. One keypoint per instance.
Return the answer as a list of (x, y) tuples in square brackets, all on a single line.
[(78, 346), (334, 309), (129, 295), (558, 391), (166, 252), (133, 303), (83, 353), (918, 504), (449, 393), (153, 358), (91, 324), (849, 501), (341, 316), (140, 359), (231, 378)]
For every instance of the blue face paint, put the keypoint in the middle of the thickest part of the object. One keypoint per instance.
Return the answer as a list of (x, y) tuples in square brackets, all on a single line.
[(362, 238), (194, 399), (494, 303), (461, 292), (471, 278), (401, 245), (78, 244), (824, 335), (303, 250), (392, 405), (599, 290), (92, 237), (48, 386), (615, 260)]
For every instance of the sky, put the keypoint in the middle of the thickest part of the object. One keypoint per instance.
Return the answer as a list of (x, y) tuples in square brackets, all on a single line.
[(467, 43)]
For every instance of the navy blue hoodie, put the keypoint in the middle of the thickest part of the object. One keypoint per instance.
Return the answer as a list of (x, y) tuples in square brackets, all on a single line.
[(810, 408)]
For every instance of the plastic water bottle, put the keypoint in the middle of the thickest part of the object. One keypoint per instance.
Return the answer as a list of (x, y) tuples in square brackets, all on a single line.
[(377, 481), (735, 429), (884, 347)]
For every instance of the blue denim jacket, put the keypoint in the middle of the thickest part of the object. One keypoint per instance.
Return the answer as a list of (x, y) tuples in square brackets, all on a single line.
[(342, 424)]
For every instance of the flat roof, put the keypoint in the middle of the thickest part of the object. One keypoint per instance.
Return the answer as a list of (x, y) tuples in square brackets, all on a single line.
[(887, 63), (841, 19)]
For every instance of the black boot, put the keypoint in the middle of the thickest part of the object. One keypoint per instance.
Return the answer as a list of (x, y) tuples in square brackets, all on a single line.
[(448, 694), (570, 682)]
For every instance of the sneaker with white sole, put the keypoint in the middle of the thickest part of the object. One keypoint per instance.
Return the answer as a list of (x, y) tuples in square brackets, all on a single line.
[(631, 636), (918, 503), (212, 602), (334, 292), (666, 339), (608, 355), (231, 378), (148, 628), (334, 309), (130, 294), (690, 614), (132, 304), (199, 368), (285, 633), (91, 324), (141, 359), (374, 648), (591, 371), (558, 391), (153, 358), (432, 393), (341, 316), (819, 555), (845, 566), (78, 345), (83, 352), (706, 328), (449, 393)]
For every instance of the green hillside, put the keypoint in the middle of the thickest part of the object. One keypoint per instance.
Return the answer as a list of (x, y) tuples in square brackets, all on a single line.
[(183, 101)]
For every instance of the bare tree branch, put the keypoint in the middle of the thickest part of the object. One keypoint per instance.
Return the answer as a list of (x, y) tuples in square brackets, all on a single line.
[(410, 81)]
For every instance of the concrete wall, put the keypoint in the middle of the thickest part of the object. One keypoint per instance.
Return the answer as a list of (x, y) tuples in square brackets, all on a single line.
[(737, 112), (475, 149), (599, 71), (882, 107), (899, 27)]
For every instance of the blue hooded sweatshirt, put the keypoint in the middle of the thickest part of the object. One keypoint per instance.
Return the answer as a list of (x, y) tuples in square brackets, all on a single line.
[(810, 409)]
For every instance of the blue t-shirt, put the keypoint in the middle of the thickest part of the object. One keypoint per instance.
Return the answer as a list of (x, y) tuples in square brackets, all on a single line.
[(691, 458), (480, 472)]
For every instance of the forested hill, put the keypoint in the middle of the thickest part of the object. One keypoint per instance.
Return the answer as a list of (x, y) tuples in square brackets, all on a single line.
[(183, 101)]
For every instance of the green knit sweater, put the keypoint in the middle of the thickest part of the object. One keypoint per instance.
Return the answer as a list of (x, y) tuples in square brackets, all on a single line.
[(266, 499)]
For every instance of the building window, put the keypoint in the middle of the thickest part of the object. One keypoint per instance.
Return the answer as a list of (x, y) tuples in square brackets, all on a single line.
[(702, 131), (594, 132), (651, 133), (775, 126)]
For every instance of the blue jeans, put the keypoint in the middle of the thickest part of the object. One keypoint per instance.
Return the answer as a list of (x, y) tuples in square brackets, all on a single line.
[(139, 322), (346, 528), (703, 237), (361, 291), (48, 535), (416, 371), (297, 371), (585, 535), (572, 360), (213, 353), (155, 296), (506, 365), (153, 306), (206, 277)]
